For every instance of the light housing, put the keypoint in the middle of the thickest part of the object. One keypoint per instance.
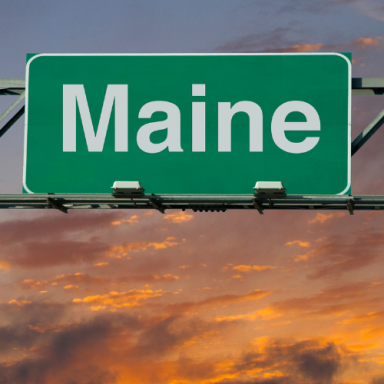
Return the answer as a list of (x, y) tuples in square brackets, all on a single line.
[(127, 187), (269, 188)]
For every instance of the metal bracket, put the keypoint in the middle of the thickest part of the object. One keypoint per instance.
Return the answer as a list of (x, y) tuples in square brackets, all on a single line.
[(258, 205), (350, 205), (156, 204), (57, 205), (208, 208)]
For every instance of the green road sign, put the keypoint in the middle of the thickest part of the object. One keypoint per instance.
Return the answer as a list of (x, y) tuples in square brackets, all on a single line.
[(188, 124)]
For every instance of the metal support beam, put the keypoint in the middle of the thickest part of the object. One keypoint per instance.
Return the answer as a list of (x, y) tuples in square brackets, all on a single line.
[(157, 205), (367, 86), (57, 205), (12, 86), (350, 205), (196, 203), (258, 205)]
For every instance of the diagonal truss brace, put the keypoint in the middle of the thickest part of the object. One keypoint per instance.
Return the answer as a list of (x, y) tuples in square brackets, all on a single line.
[(12, 87), (367, 86)]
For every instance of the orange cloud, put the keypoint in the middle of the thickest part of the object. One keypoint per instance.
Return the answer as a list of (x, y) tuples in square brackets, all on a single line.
[(306, 256), (71, 288), (320, 218), (266, 314), (372, 332), (4, 265), (361, 347), (19, 303), (368, 42), (148, 279), (132, 220), (368, 316), (104, 264), (299, 243), (128, 299), (249, 268), (179, 217), (237, 277), (362, 43), (307, 48), (70, 279), (125, 248)]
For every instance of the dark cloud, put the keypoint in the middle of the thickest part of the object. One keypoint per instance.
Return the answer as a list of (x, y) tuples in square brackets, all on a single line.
[(23, 312), (311, 360), (378, 380), (219, 300), (58, 226), (113, 346), (331, 301), (16, 337), (277, 380), (340, 254), (319, 364), (33, 254), (69, 357), (48, 240), (91, 352)]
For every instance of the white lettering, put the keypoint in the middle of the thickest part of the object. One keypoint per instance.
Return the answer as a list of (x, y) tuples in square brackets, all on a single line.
[(198, 119), (172, 124), (255, 125), (279, 126), (117, 94)]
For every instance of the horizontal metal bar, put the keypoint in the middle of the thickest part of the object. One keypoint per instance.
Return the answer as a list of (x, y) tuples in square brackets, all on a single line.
[(367, 86), (12, 86), (193, 202)]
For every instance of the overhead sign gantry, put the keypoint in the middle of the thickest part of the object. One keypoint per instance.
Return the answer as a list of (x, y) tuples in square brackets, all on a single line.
[(189, 132)]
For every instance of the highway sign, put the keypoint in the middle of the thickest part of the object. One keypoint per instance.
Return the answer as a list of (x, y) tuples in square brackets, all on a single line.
[(188, 124)]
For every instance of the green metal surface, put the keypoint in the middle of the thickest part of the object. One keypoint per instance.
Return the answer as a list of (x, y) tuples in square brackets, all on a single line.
[(322, 80)]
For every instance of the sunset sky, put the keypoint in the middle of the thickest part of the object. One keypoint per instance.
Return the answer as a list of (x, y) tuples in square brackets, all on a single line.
[(134, 297)]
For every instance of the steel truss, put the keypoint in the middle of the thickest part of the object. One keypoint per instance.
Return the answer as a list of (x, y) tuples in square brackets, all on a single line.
[(197, 203)]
